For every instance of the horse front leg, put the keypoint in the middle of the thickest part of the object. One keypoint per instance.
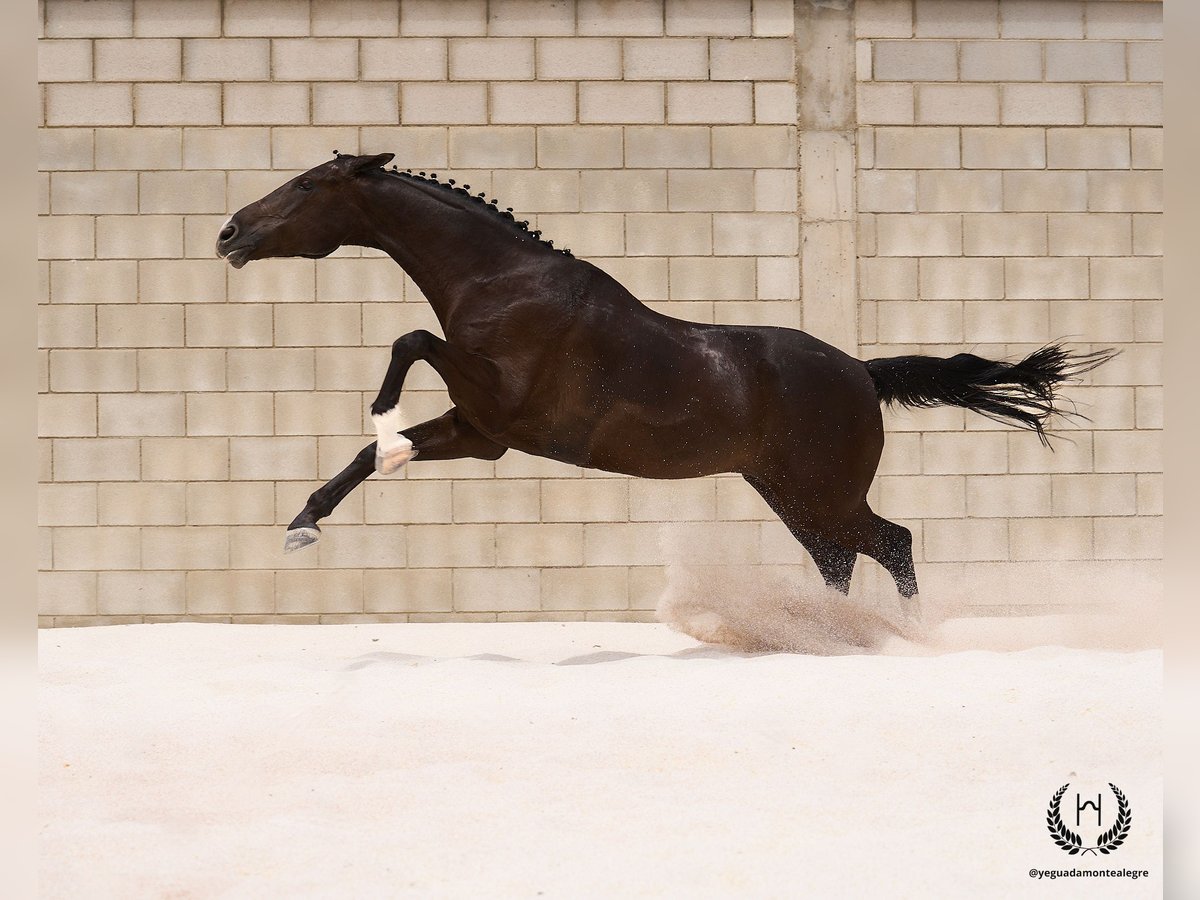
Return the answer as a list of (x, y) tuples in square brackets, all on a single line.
[(392, 448), (448, 436)]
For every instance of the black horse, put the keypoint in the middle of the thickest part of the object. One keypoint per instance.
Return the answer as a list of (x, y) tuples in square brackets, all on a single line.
[(549, 355)]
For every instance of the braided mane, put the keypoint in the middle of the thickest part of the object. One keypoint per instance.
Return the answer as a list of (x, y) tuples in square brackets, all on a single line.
[(492, 206)]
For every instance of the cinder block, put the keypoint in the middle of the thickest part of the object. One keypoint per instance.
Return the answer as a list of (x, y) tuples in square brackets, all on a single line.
[(590, 588), (138, 60), (956, 191), (929, 321), (267, 18), (354, 369), (585, 500), (307, 591), (181, 192), (1128, 451), (94, 193), (620, 544), (915, 61), (66, 237), (318, 325), (181, 370), (180, 459), (883, 278), (1038, 19), (160, 325), (775, 190), (314, 59), (618, 191), (1148, 235), (229, 414), (768, 234), (497, 501), (139, 415), (1090, 234), (1145, 61), (66, 593), (1026, 454), (64, 60), (81, 18), (1038, 539), (674, 146), (152, 503), (958, 104), (515, 103), (1042, 104), (443, 104), (678, 59), (668, 234), (1004, 234), (350, 104), (672, 501), (89, 104), (177, 104), (266, 104), (1097, 320), (436, 17), (226, 148), (725, 18), (587, 234), (532, 17), (538, 191), (956, 18), (89, 371), (409, 590), (618, 17), (356, 18), (95, 459), (1003, 148), (754, 146), (883, 18), (916, 148), (925, 497), (953, 278), (356, 281), (139, 237), (96, 548), (1049, 191), (578, 58), (177, 18), (1001, 60), (477, 590), (617, 101), (1125, 104), (319, 413), (1147, 147), (1008, 496), (227, 59), (1094, 495), (977, 453), (1133, 22), (215, 592), (965, 540), (271, 458), (736, 500), (1150, 495), (65, 148), (66, 504), (66, 415), (645, 277), (1119, 278), (452, 546), (138, 149), (752, 59), (303, 148), (1125, 191), (1087, 148), (775, 102), (1046, 278), (1129, 538), (712, 278), (85, 281), (1010, 321), (492, 58), (923, 234), (695, 190), (1085, 61), (403, 59), (886, 104), (402, 502), (228, 325)]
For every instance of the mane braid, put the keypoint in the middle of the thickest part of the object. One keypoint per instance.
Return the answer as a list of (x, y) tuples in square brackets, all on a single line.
[(492, 207)]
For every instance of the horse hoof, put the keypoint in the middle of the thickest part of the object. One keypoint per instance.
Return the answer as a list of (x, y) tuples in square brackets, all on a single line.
[(298, 538), (393, 460)]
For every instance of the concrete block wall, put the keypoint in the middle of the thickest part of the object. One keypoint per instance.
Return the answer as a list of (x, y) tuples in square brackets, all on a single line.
[(1007, 192), (1010, 193)]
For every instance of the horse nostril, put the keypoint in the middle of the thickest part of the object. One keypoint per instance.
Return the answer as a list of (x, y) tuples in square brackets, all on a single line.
[(228, 232)]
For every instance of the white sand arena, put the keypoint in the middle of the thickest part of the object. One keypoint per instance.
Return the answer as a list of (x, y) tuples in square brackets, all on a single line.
[(582, 760)]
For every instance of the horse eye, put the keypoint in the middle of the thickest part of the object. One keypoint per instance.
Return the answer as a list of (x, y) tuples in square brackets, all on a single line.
[(305, 185)]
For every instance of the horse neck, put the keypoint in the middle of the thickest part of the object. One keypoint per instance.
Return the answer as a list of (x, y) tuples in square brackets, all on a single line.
[(445, 246)]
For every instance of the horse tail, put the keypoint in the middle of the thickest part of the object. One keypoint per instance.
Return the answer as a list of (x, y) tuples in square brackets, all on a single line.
[(1023, 392)]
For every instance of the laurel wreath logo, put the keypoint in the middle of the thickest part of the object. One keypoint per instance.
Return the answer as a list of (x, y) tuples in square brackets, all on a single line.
[(1071, 842)]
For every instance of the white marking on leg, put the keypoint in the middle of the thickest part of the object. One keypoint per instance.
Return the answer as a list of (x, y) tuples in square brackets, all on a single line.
[(392, 449)]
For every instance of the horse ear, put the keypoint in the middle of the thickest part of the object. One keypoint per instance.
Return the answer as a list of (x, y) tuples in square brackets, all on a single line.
[(362, 163)]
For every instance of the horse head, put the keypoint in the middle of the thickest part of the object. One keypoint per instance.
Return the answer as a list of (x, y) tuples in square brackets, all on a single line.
[(311, 215)]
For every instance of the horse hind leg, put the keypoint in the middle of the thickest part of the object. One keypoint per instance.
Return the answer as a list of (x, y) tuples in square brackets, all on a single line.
[(890, 545)]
